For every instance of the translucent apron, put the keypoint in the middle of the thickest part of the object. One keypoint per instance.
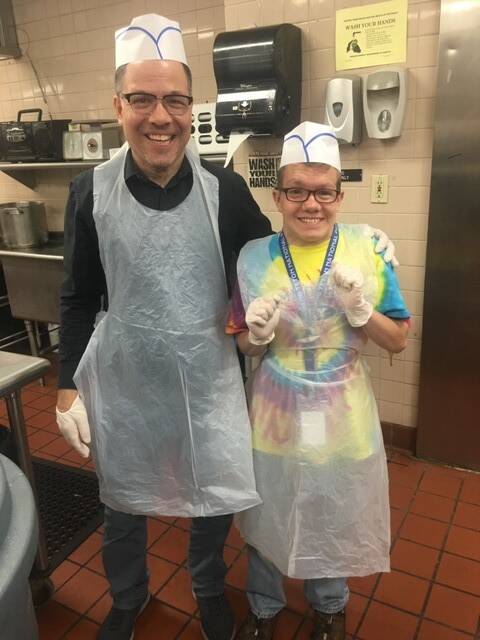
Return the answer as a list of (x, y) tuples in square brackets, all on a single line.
[(159, 378), (319, 459)]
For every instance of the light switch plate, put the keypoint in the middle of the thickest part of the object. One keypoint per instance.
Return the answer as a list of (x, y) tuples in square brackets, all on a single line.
[(379, 192)]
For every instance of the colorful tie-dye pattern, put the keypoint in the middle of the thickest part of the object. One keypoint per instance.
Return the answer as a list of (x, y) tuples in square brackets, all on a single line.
[(337, 382)]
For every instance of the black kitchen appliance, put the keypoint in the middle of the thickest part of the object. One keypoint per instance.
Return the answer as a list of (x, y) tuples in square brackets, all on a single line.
[(259, 79), (32, 141)]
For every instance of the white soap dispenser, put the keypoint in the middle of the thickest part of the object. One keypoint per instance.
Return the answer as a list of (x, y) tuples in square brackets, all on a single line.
[(343, 108), (384, 102)]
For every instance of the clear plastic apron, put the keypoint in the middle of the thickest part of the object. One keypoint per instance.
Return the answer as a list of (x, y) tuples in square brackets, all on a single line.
[(319, 458), (159, 378)]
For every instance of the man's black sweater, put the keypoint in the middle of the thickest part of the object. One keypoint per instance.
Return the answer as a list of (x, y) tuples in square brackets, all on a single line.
[(84, 289)]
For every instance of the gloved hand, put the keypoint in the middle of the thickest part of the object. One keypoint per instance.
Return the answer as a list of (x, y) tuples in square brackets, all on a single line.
[(383, 243), (348, 284), (74, 427), (262, 318)]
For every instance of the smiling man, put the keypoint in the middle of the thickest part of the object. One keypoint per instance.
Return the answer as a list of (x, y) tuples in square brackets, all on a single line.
[(151, 237), (157, 136)]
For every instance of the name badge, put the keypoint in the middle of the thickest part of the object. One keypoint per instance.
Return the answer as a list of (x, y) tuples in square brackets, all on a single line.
[(312, 429)]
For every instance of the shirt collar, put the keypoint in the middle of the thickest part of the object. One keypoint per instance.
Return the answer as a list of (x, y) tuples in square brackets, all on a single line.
[(133, 171)]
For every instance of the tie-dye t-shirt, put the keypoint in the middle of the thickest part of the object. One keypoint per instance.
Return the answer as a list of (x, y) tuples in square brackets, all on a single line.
[(319, 357), (308, 261)]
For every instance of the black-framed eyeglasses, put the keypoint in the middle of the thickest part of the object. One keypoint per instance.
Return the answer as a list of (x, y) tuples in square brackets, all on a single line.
[(323, 196), (146, 103)]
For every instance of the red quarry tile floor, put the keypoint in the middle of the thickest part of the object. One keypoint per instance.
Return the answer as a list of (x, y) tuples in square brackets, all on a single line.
[(432, 592)]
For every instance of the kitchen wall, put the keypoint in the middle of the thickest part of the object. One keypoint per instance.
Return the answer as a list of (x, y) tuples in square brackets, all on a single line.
[(70, 44), (406, 160)]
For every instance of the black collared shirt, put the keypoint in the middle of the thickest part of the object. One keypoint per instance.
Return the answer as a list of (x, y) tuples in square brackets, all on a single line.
[(84, 288), (152, 195)]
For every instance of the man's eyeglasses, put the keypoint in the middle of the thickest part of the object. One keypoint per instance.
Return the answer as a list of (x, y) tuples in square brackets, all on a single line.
[(146, 103), (323, 196)]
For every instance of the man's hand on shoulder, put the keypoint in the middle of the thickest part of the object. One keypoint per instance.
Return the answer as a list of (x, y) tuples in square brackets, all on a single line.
[(383, 243)]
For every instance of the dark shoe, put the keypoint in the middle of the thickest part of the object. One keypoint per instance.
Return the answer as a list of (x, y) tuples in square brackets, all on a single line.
[(257, 628), (328, 626), (216, 617), (120, 623)]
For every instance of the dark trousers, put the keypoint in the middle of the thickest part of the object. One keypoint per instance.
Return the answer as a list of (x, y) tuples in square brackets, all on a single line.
[(125, 556)]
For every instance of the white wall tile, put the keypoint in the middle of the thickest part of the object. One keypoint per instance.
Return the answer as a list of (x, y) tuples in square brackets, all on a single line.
[(414, 301), (320, 9), (322, 63), (412, 372), (427, 54), (391, 411), (411, 252), (413, 350), (429, 17), (296, 11), (425, 81), (409, 416), (393, 369), (424, 113)]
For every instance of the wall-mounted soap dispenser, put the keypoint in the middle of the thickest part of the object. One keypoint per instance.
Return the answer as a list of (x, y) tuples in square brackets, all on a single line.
[(384, 101), (259, 79), (343, 108)]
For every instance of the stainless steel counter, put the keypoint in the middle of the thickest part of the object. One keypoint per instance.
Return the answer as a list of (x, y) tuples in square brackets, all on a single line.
[(33, 278), (16, 371), (53, 250)]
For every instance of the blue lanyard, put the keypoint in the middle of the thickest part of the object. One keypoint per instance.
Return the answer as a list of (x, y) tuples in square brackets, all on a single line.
[(297, 285), (290, 266)]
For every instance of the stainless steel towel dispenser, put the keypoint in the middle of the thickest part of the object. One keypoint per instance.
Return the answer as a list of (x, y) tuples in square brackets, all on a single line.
[(259, 79)]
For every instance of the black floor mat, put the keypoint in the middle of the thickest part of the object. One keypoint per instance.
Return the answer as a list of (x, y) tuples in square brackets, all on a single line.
[(70, 509)]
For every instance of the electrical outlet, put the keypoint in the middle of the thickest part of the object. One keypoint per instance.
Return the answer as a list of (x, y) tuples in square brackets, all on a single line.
[(379, 191)]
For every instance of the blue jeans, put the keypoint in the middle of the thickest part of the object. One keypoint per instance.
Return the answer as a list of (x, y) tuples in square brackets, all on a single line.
[(125, 556), (267, 597)]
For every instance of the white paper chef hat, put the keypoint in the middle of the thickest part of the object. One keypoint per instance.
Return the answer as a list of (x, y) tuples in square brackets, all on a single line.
[(311, 142), (149, 37)]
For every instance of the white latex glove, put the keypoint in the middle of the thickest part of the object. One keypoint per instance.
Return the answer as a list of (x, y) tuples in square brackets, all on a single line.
[(383, 243), (74, 427), (348, 284), (262, 318)]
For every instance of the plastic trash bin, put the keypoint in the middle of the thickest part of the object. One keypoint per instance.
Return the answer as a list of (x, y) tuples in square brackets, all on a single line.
[(18, 546)]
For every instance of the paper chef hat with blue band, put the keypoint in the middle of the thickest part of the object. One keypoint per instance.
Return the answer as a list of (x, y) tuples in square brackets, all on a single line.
[(149, 37), (311, 142)]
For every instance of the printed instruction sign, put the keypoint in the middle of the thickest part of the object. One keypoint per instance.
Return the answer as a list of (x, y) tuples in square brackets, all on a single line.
[(375, 34), (262, 171)]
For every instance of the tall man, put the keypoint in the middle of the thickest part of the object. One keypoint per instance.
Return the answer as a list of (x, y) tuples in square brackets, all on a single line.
[(159, 231)]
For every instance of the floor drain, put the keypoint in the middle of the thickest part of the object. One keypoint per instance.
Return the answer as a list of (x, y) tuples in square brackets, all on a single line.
[(69, 506)]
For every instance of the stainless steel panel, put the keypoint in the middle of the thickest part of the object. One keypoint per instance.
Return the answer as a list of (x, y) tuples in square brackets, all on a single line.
[(33, 286), (449, 403)]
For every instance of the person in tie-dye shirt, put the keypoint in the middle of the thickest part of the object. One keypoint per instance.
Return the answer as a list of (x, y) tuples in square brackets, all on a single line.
[(307, 301)]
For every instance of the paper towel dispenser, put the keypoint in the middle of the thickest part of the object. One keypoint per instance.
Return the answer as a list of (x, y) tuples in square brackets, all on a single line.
[(259, 79), (384, 102)]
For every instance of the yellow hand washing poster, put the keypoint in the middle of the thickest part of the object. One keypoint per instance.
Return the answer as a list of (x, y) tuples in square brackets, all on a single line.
[(371, 35)]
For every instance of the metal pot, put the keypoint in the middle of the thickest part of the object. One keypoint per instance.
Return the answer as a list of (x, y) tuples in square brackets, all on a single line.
[(23, 224)]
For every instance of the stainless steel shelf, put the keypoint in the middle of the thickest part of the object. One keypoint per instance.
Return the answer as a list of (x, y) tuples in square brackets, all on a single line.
[(24, 172)]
